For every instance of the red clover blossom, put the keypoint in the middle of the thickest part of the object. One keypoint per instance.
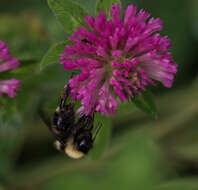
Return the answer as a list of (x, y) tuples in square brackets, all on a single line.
[(117, 58), (6, 63)]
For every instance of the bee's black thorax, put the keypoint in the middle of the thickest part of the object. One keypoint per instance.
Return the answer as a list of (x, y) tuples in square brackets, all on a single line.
[(65, 117)]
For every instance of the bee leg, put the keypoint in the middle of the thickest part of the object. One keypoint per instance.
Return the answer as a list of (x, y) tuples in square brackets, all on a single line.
[(65, 95), (86, 122), (97, 131)]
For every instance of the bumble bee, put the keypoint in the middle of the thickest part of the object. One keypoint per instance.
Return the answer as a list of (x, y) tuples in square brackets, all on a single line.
[(74, 138)]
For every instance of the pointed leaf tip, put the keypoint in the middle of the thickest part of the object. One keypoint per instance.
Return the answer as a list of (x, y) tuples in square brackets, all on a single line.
[(70, 14), (146, 103), (52, 55)]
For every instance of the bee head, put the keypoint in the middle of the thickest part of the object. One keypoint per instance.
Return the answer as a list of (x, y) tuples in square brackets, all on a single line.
[(84, 143)]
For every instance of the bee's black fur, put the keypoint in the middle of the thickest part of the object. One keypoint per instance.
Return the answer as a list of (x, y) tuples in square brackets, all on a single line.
[(64, 127)]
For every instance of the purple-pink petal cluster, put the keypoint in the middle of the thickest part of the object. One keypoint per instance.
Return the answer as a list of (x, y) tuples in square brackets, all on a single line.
[(7, 63), (117, 58)]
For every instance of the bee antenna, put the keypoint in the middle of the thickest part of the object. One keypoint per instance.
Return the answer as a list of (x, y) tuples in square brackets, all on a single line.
[(97, 131)]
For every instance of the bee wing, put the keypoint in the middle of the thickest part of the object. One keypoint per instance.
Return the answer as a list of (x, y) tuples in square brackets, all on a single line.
[(59, 136), (45, 118)]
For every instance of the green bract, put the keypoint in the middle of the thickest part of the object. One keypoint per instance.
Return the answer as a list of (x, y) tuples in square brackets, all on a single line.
[(68, 13)]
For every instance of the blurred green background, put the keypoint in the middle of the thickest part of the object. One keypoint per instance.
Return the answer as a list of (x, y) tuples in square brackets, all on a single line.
[(132, 151)]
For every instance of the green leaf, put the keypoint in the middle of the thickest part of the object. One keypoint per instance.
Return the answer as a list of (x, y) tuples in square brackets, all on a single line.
[(70, 14), (105, 6), (146, 103), (52, 55), (124, 109), (102, 138)]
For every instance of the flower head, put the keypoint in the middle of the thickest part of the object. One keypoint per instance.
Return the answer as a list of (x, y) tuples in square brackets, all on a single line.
[(117, 58), (6, 63)]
